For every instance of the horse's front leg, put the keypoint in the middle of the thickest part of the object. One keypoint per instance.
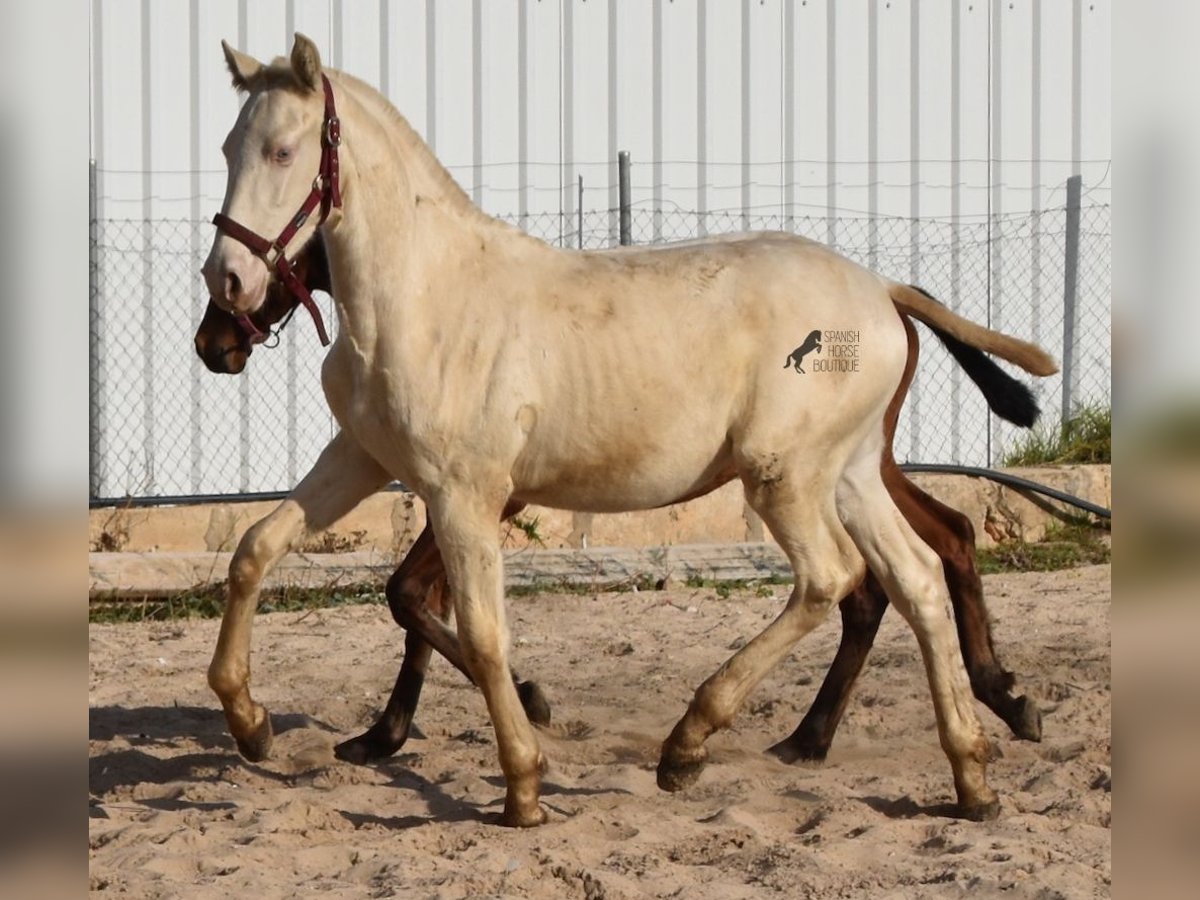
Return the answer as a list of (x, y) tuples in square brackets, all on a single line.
[(420, 604), (465, 523), (343, 475)]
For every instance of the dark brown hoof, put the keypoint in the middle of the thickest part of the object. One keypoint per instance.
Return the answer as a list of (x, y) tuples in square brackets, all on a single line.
[(979, 812), (675, 775), (534, 701), (368, 747), (257, 747), (1027, 723), (790, 751)]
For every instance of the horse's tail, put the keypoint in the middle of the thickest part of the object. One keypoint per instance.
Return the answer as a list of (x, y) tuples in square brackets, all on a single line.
[(1007, 397), (921, 305)]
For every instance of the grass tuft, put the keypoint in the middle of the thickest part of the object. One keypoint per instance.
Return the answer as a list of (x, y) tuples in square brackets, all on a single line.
[(1084, 438)]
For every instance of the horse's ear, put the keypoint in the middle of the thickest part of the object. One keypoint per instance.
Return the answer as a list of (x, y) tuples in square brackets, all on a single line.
[(242, 67), (306, 63)]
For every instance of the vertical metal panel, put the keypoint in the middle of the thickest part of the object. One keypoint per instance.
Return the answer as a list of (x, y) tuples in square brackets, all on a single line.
[(198, 298), (1076, 84), (789, 166), (523, 113), (873, 133), (831, 142), (477, 101), (290, 336), (385, 44), (502, 113), (702, 117), (632, 123), (611, 76), (656, 116), (723, 137), (914, 207), (568, 171), (337, 15), (744, 108), (996, 166), (955, 212), (244, 482), (431, 74), (98, 376), (1035, 170), (149, 448)]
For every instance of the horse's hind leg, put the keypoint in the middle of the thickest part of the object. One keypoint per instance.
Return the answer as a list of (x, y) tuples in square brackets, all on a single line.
[(950, 534), (862, 610), (413, 591), (826, 565), (912, 575)]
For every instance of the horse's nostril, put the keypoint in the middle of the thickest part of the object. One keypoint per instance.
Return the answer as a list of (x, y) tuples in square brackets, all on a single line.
[(233, 285)]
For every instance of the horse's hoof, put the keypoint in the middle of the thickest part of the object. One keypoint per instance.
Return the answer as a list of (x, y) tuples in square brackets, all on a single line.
[(979, 812), (528, 819), (257, 746), (675, 774), (789, 751), (366, 748), (534, 701), (1027, 723)]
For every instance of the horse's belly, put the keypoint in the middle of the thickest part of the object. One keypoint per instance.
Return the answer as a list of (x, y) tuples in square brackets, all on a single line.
[(619, 481)]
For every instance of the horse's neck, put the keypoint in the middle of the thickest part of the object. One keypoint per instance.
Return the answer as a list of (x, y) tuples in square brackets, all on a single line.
[(404, 215), (428, 177)]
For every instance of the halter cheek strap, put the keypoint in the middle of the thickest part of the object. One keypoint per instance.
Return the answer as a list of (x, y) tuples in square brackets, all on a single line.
[(326, 193)]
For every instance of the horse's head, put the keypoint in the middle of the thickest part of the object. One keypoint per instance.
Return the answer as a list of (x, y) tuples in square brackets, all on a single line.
[(279, 144), (224, 344)]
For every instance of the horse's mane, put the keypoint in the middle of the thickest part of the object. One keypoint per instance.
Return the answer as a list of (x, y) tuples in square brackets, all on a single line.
[(413, 146)]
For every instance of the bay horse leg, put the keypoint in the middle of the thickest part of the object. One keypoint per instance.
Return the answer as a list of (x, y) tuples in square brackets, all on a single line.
[(343, 475), (419, 600), (952, 537), (862, 610)]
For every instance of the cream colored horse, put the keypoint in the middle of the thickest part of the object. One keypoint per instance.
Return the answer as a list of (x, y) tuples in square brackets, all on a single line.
[(479, 365)]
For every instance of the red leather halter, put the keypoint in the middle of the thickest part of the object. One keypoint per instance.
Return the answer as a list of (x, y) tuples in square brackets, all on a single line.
[(325, 193)]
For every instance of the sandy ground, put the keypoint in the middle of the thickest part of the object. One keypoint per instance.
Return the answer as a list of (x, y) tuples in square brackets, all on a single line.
[(176, 813)]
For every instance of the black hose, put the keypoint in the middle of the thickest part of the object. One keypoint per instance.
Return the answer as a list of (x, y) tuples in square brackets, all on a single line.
[(1012, 481)]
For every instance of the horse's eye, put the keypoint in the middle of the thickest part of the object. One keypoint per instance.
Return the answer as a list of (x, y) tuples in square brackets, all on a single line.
[(283, 156)]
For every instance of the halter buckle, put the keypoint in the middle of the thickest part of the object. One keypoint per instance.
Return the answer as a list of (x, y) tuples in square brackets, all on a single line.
[(333, 132)]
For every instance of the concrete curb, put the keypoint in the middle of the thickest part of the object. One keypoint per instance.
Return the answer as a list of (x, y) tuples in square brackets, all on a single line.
[(134, 575)]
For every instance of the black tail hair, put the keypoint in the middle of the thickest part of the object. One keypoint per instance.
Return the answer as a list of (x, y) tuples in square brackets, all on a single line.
[(1008, 398)]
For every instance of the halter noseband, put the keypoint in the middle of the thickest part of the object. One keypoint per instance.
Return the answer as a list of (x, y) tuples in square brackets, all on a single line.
[(325, 193)]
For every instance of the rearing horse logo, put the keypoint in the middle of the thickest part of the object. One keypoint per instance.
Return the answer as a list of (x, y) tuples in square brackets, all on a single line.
[(811, 343)]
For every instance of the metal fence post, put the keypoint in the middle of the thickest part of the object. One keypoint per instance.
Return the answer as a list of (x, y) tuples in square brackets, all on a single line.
[(623, 194), (1070, 295), (95, 403)]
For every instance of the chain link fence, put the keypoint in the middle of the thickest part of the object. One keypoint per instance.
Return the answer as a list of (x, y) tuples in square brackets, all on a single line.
[(164, 427)]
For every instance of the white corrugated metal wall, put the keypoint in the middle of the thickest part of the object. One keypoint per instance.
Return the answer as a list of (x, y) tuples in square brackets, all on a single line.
[(896, 129)]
